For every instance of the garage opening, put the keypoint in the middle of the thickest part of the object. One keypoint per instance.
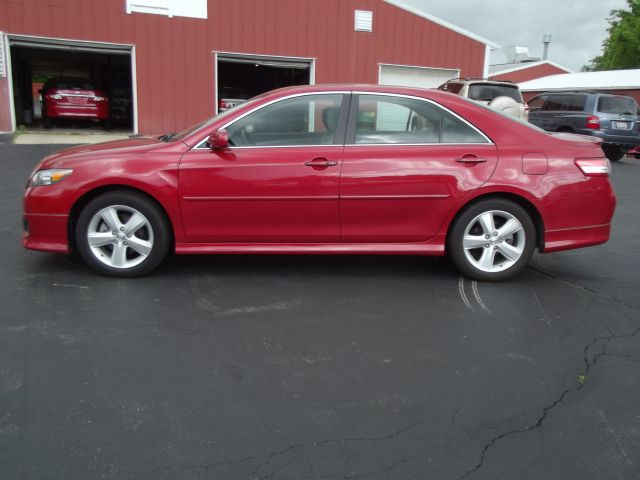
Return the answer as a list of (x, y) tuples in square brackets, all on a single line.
[(71, 85), (423, 77), (241, 77)]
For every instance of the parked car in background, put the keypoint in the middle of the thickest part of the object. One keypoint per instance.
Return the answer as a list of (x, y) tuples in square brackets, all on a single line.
[(231, 97), (73, 98), (502, 96), (613, 118), (635, 152), (328, 169)]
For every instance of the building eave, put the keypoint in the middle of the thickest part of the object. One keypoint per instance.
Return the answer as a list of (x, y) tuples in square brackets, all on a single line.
[(443, 23)]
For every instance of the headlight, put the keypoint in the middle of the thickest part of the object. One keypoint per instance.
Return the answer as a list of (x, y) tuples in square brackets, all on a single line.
[(49, 177)]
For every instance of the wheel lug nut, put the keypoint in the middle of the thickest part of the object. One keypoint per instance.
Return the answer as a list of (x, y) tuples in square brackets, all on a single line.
[(115, 241), (114, 233), (495, 234), (128, 235), (125, 243), (495, 248), (486, 246), (486, 236), (122, 229)]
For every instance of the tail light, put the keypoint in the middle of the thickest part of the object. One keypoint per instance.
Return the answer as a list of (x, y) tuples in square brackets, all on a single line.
[(54, 96), (594, 167), (223, 105), (593, 123), (98, 98)]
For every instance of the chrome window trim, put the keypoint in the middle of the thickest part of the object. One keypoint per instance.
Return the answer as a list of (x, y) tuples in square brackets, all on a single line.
[(435, 104), (200, 144)]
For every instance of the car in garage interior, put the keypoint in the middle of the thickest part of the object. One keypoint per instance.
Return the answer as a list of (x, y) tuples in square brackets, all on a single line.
[(328, 170), (74, 99)]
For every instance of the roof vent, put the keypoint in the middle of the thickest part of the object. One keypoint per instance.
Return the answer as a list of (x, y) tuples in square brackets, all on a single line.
[(364, 21)]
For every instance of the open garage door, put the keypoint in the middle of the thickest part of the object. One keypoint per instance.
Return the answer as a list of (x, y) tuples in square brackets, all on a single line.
[(68, 84), (423, 77), (240, 77)]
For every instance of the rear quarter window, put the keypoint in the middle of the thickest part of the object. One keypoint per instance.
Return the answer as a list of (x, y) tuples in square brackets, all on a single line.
[(620, 105), (451, 87)]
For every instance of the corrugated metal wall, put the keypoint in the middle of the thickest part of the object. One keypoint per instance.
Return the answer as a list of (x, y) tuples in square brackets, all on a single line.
[(175, 71)]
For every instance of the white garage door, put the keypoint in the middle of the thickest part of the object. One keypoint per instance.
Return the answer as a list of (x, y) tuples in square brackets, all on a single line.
[(423, 77)]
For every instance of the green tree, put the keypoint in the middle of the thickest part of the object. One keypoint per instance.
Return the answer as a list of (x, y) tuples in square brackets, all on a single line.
[(621, 50)]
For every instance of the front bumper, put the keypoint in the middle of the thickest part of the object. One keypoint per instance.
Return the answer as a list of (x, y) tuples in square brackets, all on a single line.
[(46, 232)]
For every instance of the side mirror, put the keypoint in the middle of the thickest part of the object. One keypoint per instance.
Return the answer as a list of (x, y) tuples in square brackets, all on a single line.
[(219, 140)]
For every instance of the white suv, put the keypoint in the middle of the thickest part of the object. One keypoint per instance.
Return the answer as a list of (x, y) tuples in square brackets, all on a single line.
[(502, 96)]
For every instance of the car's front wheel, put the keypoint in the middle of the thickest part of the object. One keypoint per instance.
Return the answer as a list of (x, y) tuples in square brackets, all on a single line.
[(122, 234), (492, 240)]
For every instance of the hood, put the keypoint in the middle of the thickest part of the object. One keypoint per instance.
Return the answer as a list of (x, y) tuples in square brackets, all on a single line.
[(130, 146)]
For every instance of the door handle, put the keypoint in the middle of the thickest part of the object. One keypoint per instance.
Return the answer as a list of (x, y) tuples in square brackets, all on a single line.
[(320, 162), (471, 158)]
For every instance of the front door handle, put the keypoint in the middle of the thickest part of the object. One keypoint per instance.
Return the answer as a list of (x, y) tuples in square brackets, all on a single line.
[(320, 162), (471, 158)]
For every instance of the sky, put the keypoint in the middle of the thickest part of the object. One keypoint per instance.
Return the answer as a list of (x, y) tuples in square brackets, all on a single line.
[(578, 27)]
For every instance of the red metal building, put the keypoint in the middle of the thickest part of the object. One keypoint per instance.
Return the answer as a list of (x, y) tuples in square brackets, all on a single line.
[(523, 72), (167, 63)]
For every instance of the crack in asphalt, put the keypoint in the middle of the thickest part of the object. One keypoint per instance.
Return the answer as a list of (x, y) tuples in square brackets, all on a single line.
[(589, 364), (582, 287), (270, 456)]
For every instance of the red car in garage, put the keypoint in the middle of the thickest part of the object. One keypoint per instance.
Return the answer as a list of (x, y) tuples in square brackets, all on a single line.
[(73, 98), (328, 170)]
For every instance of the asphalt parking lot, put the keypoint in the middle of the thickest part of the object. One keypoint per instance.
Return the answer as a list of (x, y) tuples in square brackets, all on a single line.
[(278, 367)]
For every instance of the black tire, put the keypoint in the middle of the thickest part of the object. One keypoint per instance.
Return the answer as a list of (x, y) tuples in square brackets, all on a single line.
[(501, 209), (46, 121), (637, 155), (614, 152), (156, 232)]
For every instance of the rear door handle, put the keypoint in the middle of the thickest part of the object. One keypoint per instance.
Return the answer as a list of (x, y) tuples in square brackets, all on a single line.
[(471, 158), (320, 162)]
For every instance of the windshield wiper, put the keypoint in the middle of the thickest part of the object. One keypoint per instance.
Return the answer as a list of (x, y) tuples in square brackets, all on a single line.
[(167, 137)]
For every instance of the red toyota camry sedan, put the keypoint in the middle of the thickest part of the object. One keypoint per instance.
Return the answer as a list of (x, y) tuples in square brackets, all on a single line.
[(328, 170)]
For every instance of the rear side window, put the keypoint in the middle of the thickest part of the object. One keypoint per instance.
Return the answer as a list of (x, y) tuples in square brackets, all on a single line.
[(566, 103), (488, 91), (398, 120), (536, 103), (620, 105)]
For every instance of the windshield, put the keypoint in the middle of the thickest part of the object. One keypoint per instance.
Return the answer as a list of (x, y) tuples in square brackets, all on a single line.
[(488, 91), (205, 123), (620, 105)]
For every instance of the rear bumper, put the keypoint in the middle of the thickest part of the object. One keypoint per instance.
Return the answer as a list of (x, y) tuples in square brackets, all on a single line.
[(100, 112), (45, 232), (627, 140), (568, 239)]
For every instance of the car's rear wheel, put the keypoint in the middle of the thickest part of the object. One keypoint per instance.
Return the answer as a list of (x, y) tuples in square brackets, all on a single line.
[(122, 234), (614, 152), (492, 240)]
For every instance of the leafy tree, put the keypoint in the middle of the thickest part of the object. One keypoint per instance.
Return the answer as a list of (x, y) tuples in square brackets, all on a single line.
[(621, 50)]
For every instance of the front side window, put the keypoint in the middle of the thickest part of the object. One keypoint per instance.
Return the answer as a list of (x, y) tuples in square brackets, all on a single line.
[(398, 120), (305, 120)]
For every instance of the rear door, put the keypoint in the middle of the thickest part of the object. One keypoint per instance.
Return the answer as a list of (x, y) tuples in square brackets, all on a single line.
[(405, 162)]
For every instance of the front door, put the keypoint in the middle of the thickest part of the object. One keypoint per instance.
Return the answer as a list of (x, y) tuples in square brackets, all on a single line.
[(278, 182)]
